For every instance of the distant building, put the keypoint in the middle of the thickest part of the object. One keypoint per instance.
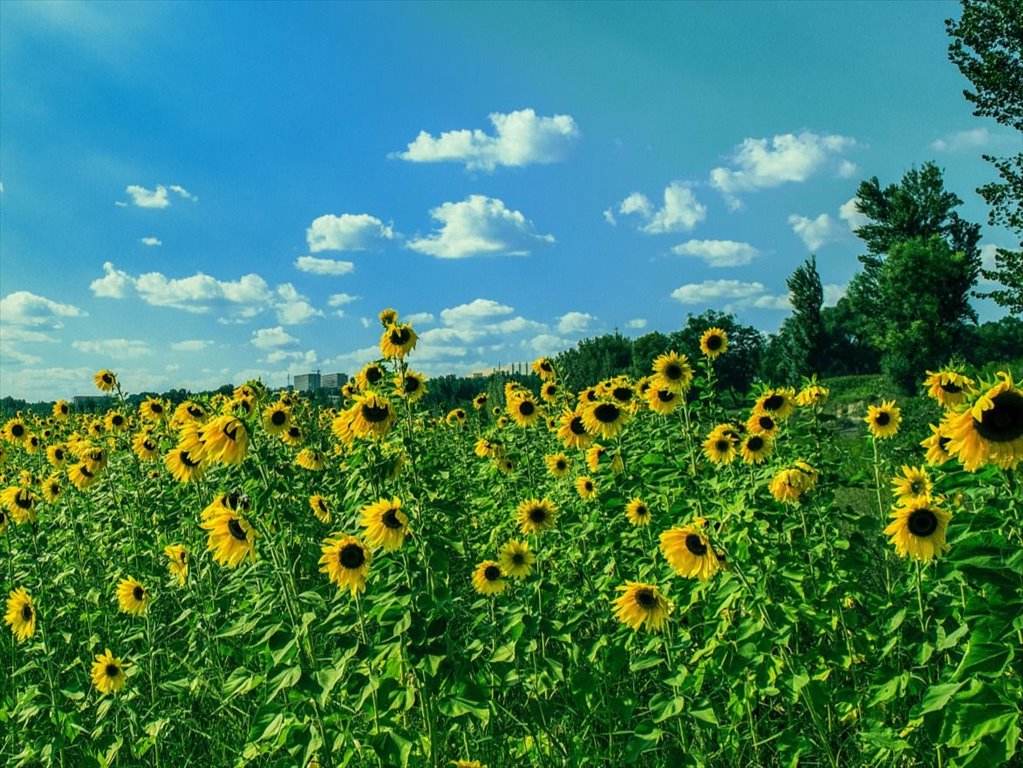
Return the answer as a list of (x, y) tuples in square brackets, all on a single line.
[(307, 382), (523, 368), (333, 380)]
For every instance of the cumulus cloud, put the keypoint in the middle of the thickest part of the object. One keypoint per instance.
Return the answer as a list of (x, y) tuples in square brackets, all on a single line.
[(475, 312), (329, 267), (636, 323), (278, 356), (340, 299), (418, 318), (8, 333), (191, 345), (575, 322), (718, 253), (729, 295), (680, 213), (116, 349), (548, 344), (142, 197), (764, 163), (347, 232), (243, 298), (479, 225), (272, 338), (182, 192), (520, 138), (962, 140), (814, 232), (832, 293), (849, 212), (151, 241), (11, 353), (26, 308)]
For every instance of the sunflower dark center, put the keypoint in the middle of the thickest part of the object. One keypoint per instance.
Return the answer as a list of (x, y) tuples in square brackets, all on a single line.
[(322, 506), (943, 442), (561, 465), (607, 413), (546, 367), (390, 518), (665, 396), (576, 426), (645, 598), (722, 446), (695, 545), (118, 420), (951, 387), (195, 412), (18, 430), (295, 433), (882, 419), (149, 445), (491, 573), (231, 432), (112, 670), (277, 418), (187, 460), (641, 510), (86, 473), (526, 408), (1004, 422), (537, 514), (518, 558), (236, 530), (64, 408), (773, 403), (411, 383), (374, 374), (108, 379), (766, 423), (714, 342), (755, 443), (400, 336), (351, 556), (916, 487), (622, 394), (673, 371), (588, 485), (156, 408), (375, 414), (26, 612), (23, 500), (138, 593), (923, 522)]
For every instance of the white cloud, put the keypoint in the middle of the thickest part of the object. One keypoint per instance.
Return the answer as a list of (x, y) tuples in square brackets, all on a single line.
[(115, 284), (419, 318), (117, 349), (522, 138), (25, 308), (956, 142), (772, 301), (148, 198), (718, 253), (307, 358), (478, 225), (475, 312), (609, 217), (340, 299), (347, 232), (764, 163), (680, 213), (729, 295), (548, 344), (847, 169), (814, 232), (191, 345), (637, 323), (849, 212), (182, 192), (329, 267), (272, 338), (12, 353), (575, 322), (832, 293), (293, 308), (151, 241), (8, 333)]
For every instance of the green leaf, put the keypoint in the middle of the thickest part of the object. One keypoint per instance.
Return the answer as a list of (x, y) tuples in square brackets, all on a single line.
[(286, 679), (984, 659), (935, 698)]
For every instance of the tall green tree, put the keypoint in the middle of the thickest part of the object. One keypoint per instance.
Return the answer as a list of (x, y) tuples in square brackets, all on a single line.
[(803, 330), (592, 360), (987, 46)]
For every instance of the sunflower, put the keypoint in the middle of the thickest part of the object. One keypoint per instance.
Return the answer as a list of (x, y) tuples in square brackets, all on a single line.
[(594, 454), (586, 488), (388, 317), (276, 418), (913, 485), (4, 519), (20, 504), (719, 448), (604, 419), (714, 342), (918, 529), (779, 403), (293, 436), (937, 446), (108, 673), (61, 410), (662, 401), (480, 401), (177, 562), (94, 457), (145, 446), (386, 525), (641, 605), (515, 559), (544, 368), (467, 764), (56, 454), (456, 417), (549, 391), (689, 552), (346, 562), (32, 444), (813, 394), (397, 340), (524, 409), (52, 488), (762, 424), (791, 483), (673, 372), (489, 449), (949, 387), (132, 597), (756, 449), (883, 420), (990, 431), (190, 411), (105, 380), (487, 578), (370, 375), (412, 386), (21, 614), (311, 459), (558, 464), (225, 440), (152, 409), (226, 502), (183, 466), (572, 431), (536, 515), (320, 508), (374, 416), (637, 512), (230, 538), (81, 476), (15, 430)]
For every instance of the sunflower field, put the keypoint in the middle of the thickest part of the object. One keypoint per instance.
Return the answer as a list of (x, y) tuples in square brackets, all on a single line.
[(636, 574)]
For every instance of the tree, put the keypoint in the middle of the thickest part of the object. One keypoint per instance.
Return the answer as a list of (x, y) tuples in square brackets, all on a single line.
[(737, 367), (593, 360), (802, 332), (645, 349), (987, 46)]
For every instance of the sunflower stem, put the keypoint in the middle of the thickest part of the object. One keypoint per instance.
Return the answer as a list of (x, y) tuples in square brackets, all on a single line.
[(880, 511)]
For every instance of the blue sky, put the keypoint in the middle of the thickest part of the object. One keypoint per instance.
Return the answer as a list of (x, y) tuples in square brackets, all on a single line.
[(196, 194)]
